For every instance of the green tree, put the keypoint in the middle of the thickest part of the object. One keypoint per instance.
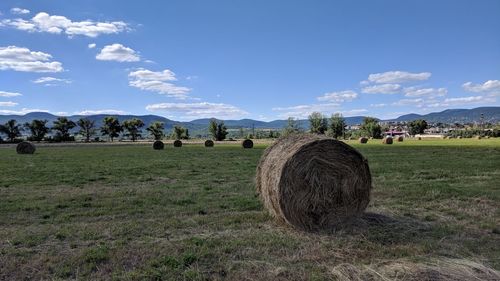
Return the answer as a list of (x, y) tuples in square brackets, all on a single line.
[(337, 126), (133, 127), (178, 132), (38, 129), (371, 127), (156, 129), (87, 128), (212, 128), (11, 129), (292, 127), (217, 130), (63, 126), (111, 127), (417, 126), (318, 123)]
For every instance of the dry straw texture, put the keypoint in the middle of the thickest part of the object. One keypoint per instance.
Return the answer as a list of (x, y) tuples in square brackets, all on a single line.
[(445, 269), (247, 143), (387, 140), (363, 140), (209, 143), (400, 139), (25, 148), (312, 182), (158, 145), (177, 143)]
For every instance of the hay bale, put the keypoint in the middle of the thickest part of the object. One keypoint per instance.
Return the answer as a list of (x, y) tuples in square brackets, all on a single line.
[(247, 143), (209, 143), (419, 138), (478, 137), (459, 137), (25, 148), (158, 145), (363, 140), (312, 182), (177, 143), (387, 140), (400, 139)]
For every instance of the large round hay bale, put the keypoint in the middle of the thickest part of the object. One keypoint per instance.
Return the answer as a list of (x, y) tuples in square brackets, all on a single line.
[(247, 143), (478, 137), (177, 143), (312, 182), (209, 143), (400, 139), (363, 140), (158, 145), (25, 148), (387, 140), (419, 138), (459, 137)]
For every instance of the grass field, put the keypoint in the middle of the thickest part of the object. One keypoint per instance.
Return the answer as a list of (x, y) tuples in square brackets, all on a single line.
[(191, 213)]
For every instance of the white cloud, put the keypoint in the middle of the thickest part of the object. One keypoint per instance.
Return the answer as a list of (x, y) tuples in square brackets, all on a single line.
[(419, 102), (382, 89), (159, 82), (339, 96), (8, 103), (43, 22), (425, 92), (101, 111), (4, 94), (19, 11), (467, 100), (303, 111), (22, 59), (378, 105), (91, 45), (21, 111), (490, 86), (198, 110), (118, 52), (50, 81), (398, 77)]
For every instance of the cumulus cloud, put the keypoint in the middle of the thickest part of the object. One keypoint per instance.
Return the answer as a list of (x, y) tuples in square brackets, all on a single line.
[(304, 110), (378, 105), (19, 11), (490, 86), (5, 94), (198, 110), (425, 92), (8, 103), (382, 89), (50, 81), (22, 59), (101, 111), (22, 111), (157, 81), (43, 22), (398, 77), (419, 102), (339, 96), (91, 45), (118, 52)]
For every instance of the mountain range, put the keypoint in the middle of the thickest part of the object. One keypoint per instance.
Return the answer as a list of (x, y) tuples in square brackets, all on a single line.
[(488, 114)]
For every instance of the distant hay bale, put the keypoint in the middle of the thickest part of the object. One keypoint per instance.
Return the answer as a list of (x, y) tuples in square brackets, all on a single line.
[(312, 182), (459, 137), (419, 138), (247, 143), (158, 145), (400, 139), (363, 140), (25, 148), (387, 140), (209, 143), (177, 143)]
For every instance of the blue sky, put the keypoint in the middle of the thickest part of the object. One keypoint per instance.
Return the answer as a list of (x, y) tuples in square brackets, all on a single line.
[(248, 59)]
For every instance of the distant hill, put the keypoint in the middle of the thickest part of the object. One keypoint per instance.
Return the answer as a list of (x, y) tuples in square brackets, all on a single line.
[(199, 126), (490, 114)]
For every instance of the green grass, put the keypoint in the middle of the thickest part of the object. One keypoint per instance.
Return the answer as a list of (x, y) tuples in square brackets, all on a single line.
[(191, 213)]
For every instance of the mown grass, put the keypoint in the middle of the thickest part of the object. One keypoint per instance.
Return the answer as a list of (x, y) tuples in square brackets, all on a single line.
[(191, 213)]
